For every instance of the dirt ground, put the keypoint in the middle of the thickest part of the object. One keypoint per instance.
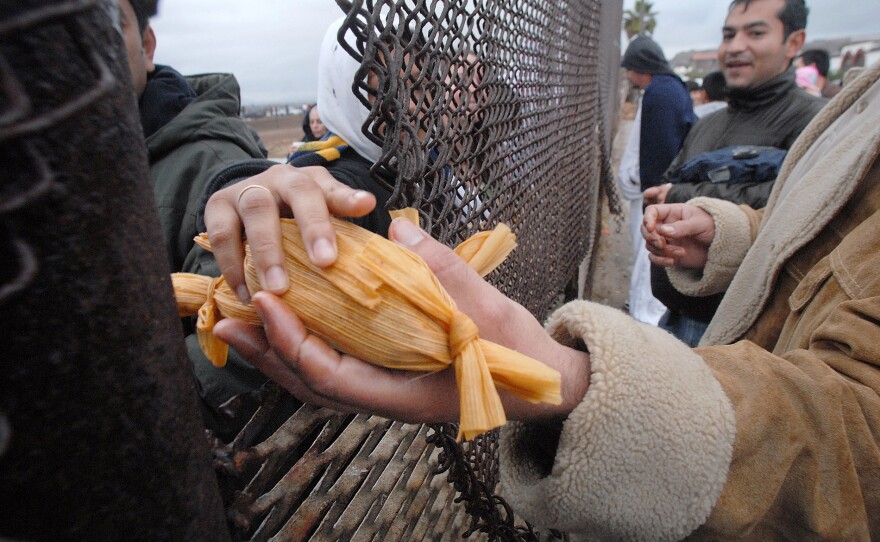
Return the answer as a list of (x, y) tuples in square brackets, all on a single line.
[(613, 254), (610, 281), (278, 133)]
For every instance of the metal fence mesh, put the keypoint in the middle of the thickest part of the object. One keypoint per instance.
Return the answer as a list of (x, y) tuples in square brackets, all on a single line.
[(492, 111), (487, 111)]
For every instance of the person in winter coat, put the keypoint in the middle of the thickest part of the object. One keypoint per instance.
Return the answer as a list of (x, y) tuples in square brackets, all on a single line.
[(663, 119), (768, 431), (667, 110), (191, 127), (765, 108)]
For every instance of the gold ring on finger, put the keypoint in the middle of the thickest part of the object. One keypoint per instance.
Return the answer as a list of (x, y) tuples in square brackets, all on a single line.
[(248, 187)]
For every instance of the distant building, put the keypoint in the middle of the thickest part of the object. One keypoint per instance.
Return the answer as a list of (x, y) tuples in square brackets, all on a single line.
[(860, 54), (695, 62)]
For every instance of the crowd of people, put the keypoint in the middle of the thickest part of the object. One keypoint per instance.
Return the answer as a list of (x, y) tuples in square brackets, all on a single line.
[(739, 396)]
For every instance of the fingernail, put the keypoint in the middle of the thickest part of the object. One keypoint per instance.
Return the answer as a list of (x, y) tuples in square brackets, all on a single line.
[(406, 233), (276, 279), (360, 195), (667, 230), (243, 294), (323, 251)]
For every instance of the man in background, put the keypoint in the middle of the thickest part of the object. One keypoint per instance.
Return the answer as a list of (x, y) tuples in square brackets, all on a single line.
[(820, 59), (760, 39), (664, 116), (667, 110), (714, 95), (191, 126), (192, 130)]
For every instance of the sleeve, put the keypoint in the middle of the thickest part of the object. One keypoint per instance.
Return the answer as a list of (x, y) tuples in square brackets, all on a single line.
[(663, 131), (179, 182), (733, 238), (700, 308), (644, 456), (720, 442)]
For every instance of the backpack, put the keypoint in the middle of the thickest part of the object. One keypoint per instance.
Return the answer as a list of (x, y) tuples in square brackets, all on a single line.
[(737, 164)]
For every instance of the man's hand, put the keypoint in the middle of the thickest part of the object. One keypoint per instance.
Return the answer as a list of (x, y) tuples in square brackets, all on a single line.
[(254, 206), (316, 373), (678, 235), (656, 194)]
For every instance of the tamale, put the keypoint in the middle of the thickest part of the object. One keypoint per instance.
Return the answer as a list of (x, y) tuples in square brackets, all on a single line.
[(381, 303)]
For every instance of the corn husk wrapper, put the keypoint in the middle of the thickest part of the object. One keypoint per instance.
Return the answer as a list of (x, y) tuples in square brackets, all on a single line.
[(381, 303)]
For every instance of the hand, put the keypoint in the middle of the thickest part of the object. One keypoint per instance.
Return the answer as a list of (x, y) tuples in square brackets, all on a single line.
[(678, 234), (308, 194), (314, 372), (656, 194)]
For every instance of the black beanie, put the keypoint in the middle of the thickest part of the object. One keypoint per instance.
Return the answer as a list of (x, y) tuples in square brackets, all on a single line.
[(643, 55)]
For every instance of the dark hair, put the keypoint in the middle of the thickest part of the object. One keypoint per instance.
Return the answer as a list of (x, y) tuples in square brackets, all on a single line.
[(143, 10), (692, 85), (714, 84), (793, 15), (308, 134), (819, 57)]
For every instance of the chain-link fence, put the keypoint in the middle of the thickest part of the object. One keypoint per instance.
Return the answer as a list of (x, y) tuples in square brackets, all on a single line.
[(487, 111)]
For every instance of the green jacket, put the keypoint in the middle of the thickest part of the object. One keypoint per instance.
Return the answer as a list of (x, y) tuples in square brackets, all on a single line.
[(184, 155)]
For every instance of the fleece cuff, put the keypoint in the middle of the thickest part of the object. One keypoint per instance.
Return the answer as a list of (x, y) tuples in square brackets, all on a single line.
[(644, 456), (732, 240)]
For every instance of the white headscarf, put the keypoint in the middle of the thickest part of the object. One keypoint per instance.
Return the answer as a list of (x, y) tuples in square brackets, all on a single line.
[(340, 110)]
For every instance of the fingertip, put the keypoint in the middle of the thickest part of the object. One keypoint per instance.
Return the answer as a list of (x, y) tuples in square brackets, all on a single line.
[(359, 197), (322, 252), (403, 232), (275, 279), (244, 295)]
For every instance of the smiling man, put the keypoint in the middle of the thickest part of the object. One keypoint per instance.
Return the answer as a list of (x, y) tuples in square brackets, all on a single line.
[(760, 38)]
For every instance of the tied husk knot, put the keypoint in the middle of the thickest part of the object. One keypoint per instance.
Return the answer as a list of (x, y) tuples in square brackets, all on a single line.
[(381, 303)]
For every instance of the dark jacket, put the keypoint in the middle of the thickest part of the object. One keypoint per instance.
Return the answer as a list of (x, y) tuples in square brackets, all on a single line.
[(667, 117), (773, 115), (187, 148)]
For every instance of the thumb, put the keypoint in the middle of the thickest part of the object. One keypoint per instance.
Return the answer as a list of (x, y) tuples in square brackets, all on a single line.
[(457, 277)]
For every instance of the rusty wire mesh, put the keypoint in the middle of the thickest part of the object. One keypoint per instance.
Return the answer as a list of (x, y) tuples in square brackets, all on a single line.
[(487, 111), (492, 112)]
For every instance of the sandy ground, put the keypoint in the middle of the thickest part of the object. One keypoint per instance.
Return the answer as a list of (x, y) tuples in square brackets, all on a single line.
[(278, 133), (610, 282)]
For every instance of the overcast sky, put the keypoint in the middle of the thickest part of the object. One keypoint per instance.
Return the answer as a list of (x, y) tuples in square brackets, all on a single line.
[(271, 45)]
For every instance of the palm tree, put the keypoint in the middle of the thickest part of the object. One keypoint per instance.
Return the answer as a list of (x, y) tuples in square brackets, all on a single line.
[(640, 20)]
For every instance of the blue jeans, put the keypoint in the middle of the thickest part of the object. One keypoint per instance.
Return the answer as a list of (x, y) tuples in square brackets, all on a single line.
[(685, 329)]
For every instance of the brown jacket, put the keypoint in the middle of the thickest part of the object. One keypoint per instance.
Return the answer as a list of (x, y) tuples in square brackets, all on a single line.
[(770, 430)]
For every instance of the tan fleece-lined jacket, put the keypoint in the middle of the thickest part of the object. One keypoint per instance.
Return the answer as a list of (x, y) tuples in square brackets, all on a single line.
[(770, 430)]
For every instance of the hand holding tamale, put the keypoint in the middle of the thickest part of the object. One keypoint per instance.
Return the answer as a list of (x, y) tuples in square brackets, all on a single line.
[(383, 304)]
